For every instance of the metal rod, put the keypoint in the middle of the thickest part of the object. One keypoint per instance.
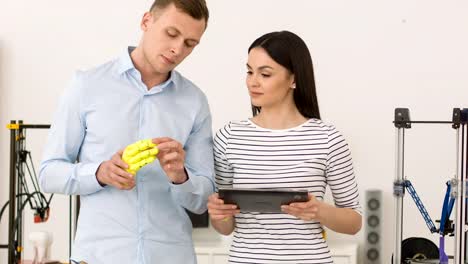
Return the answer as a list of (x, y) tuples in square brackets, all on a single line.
[(11, 217), (460, 224), (20, 136), (34, 126), (463, 176), (428, 122), (399, 175), (457, 202)]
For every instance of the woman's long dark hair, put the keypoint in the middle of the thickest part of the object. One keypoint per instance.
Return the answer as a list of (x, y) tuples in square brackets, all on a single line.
[(290, 51)]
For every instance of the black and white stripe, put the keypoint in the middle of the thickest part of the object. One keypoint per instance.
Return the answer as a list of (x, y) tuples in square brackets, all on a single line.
[(309, 156)]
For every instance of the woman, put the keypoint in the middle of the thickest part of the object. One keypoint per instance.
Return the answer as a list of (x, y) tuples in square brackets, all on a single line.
[(284, 145)]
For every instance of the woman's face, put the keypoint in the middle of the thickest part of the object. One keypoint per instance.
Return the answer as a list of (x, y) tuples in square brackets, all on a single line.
[(269, 83)]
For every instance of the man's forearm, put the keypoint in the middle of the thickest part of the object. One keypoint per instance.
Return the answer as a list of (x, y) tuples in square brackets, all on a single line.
[(57, 176)]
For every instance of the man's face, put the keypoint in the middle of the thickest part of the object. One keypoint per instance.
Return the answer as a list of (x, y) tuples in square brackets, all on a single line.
[(169, 35)]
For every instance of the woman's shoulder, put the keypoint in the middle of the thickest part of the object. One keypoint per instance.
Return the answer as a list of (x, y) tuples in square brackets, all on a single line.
[(236, 124), (319, 124)]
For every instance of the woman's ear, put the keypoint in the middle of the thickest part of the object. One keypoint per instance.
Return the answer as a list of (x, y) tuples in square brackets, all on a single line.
[(293, 82)]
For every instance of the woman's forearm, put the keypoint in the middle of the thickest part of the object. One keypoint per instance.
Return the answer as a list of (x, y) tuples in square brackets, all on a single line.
[(224, 227), (341, 220)]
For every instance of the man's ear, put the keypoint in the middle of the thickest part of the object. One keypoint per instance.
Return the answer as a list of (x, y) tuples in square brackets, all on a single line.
[(146, 20)]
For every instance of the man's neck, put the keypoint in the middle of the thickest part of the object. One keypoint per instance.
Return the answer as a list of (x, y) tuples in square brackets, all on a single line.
[(148, 76)]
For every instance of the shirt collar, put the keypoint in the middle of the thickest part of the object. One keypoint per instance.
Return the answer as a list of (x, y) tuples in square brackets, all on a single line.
[(125, 61)]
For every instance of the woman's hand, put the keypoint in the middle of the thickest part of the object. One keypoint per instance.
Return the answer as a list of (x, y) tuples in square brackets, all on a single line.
[(220, 211), (307, 211), (221, 215)]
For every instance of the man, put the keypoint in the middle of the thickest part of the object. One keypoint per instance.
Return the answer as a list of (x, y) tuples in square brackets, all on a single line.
[(141, 219)]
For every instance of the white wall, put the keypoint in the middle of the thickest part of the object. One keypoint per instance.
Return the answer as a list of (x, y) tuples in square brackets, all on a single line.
[(369, 57)]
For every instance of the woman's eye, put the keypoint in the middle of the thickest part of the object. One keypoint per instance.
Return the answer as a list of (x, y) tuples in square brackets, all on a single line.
[(249, 72), (171, 34), (266, 75)]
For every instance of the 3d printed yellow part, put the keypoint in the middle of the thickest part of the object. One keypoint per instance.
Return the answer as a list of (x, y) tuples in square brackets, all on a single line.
[(139, 154)]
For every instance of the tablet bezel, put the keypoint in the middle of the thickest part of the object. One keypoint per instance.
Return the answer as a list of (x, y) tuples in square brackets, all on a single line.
[(262, 200)]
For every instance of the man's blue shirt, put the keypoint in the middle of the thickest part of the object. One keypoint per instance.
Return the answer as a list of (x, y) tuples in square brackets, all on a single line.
[(104, 110)]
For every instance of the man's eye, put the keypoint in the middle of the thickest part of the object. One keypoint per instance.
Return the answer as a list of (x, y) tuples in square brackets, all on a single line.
[(189, 45), (249, 72), (171, 34)]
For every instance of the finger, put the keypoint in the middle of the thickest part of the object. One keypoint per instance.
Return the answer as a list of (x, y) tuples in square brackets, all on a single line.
[(223, 216), (311, 197), (160, 140), (213, 197), (170, 146), (222, 213), (124, 173), (219, 217), (296, 209), (170, 157), (117, 161), (128, 186), (299, 213), (301, 205), (290, 212), (119, 181), (217, 206)]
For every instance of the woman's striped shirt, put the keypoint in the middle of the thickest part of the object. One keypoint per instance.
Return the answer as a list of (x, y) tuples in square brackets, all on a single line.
[(309, 156)]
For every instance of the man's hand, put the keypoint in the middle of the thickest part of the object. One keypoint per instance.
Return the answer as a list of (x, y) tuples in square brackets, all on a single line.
[(112, 172), (171, 156)]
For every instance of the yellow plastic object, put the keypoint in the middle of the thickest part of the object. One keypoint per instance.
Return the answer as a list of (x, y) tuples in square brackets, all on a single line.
[(139, 154)]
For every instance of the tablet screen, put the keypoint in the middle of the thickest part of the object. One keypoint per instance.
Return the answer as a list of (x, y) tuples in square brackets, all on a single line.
[(262, 200)]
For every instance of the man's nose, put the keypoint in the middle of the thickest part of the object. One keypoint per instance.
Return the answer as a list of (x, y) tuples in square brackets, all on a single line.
[(177, 48)]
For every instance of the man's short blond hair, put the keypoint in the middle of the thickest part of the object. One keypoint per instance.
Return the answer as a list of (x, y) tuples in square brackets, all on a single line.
[(194, 8)]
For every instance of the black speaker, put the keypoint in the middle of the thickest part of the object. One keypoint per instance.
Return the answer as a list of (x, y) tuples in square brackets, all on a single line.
[(373, 227)]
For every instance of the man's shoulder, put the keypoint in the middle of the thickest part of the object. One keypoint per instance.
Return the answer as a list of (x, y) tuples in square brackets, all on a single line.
[(185, 83), (105, 69)]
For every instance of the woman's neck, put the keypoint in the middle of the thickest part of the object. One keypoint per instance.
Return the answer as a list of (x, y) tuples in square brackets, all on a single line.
[(279, 118)]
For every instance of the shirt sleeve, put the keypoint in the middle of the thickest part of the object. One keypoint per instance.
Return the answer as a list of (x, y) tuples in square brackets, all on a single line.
[(59, 170), (193, 194), (340, 172), (223, 169)]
